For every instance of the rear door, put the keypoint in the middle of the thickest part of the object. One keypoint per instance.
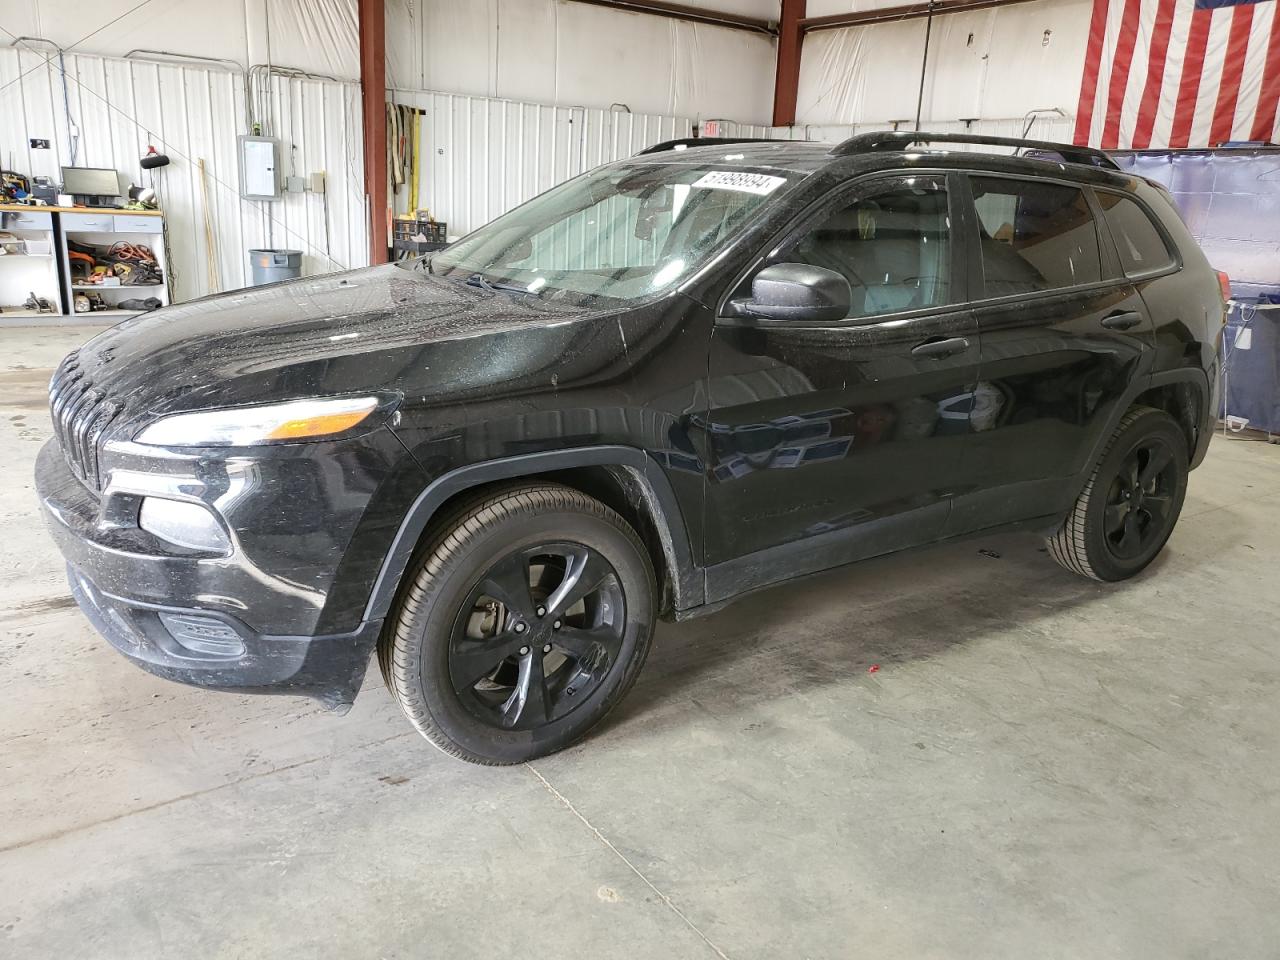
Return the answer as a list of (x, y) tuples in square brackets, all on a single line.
[(828, 441), (1064, 335)]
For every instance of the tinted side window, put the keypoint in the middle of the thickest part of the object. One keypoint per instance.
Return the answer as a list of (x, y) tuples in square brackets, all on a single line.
[(1034, 236), (892, 243), (1141, 246)]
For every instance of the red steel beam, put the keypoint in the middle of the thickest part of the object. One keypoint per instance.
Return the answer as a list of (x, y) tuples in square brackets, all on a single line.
[(786, 83), (909, 11), (682, 11), (373, 101)]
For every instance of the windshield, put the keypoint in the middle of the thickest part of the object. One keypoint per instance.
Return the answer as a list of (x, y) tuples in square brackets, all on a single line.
[(621, 232)]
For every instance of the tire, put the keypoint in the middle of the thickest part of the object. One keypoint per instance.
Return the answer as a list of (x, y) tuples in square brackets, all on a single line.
[(1119, 502), (463, 603)]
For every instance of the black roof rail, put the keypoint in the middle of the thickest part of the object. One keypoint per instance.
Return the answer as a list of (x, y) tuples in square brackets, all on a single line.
[(901, 139), (703, 142)]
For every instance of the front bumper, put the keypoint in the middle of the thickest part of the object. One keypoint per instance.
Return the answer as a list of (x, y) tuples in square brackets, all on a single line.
[(264, 617), (215, 650)]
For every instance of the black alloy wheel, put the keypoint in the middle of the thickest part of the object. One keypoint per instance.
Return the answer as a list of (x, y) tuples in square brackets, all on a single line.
[(537, 635), (1140, 500), (1131, 501), (524, 620)]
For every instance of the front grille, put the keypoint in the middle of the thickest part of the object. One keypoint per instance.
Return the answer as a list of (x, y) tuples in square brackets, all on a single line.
[(81, 415)]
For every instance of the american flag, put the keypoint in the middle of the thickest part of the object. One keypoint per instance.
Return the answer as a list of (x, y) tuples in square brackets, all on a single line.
[(1179, 73)]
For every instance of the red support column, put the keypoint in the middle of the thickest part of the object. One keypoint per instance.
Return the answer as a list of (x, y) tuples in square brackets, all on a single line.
[(786, 84), (373, 98)]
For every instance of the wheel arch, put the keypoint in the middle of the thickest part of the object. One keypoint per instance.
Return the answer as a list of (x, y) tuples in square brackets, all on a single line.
[(1185, 396), (1177, 392), (622, 477)]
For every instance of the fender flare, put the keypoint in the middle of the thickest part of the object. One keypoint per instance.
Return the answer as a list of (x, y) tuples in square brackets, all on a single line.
[(656, 494), (1197, 378), (1206, 387)]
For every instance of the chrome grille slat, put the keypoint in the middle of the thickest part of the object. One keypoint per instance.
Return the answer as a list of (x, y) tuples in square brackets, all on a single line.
[(69, 392), (95, 424), (81, 417), (80, 427), (71, 444)]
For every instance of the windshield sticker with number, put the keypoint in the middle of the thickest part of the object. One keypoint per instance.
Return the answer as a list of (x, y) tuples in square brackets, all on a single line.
[(757, 183)]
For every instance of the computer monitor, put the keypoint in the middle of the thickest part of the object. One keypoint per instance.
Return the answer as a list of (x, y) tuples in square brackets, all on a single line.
[(97, 186)]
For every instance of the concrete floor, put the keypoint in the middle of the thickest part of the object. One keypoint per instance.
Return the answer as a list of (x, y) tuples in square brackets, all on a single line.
[(1041, 767)]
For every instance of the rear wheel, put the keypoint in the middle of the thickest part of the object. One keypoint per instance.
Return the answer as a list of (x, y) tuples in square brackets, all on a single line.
[(1128, 509), (525, 621)]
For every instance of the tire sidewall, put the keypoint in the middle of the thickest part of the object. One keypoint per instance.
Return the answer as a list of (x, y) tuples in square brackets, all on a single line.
[(454, 582), (1106, 564)]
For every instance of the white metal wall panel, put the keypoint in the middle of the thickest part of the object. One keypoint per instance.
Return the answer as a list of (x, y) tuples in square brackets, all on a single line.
[(193, 113), (480, 156)]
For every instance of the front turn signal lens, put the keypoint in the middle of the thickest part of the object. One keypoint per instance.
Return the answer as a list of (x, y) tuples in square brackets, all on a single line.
[(291, 422), (320, 425)]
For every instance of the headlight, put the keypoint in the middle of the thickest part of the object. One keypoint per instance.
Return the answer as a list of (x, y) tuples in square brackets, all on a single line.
[(247, 426)]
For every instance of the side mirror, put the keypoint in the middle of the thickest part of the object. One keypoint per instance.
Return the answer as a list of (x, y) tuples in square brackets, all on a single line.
[(796, 291)]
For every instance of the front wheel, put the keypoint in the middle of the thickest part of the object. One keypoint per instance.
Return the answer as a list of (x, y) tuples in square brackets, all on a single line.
[(1131, 502), (524, 622)]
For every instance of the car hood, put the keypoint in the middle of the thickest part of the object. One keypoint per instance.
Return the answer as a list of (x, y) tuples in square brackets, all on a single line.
[(359, 331)]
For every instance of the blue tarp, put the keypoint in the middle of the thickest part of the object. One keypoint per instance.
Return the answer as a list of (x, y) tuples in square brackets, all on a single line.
[(1230, 199), (1251, 367)]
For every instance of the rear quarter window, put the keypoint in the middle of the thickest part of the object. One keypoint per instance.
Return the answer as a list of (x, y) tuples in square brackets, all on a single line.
[(1139, 242)]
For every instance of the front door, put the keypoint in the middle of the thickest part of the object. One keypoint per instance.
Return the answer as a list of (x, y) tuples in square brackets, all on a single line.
[(830, 441)]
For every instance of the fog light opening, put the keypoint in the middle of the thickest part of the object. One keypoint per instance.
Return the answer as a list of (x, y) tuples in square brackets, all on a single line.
[(204, 635), (184, 524)]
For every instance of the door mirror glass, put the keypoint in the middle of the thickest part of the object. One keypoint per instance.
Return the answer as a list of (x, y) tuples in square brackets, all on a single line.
[(796, 291)]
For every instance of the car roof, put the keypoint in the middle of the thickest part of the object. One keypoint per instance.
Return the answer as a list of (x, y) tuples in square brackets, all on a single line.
[(795, 156), (809, 156)]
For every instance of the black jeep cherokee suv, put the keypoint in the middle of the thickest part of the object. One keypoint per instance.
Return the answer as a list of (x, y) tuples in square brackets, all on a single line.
[(670, 381)]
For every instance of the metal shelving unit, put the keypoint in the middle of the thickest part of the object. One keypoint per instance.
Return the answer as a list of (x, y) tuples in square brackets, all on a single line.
[(37, 261), (103, 229), (29, 265)]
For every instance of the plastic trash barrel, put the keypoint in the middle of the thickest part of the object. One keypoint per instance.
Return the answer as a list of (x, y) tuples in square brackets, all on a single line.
[(270, 266)]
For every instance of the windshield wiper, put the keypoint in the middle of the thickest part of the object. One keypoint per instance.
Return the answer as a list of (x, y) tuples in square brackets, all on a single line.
[(484, 283)]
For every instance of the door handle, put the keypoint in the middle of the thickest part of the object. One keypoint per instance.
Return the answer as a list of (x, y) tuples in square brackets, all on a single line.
[(1122, 321), (937, 349)]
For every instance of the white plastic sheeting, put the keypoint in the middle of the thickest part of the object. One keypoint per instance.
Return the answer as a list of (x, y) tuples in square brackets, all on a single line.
[(481, 156), (318, 36), (193, 113), (992, 65), (550, 51), (1037, 126)]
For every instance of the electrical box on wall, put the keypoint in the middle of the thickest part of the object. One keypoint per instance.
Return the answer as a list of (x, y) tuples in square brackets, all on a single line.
[(259, 168)]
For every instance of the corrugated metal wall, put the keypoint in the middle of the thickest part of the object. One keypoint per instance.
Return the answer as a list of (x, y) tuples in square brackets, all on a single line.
[(193, 113), (481, 156)]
